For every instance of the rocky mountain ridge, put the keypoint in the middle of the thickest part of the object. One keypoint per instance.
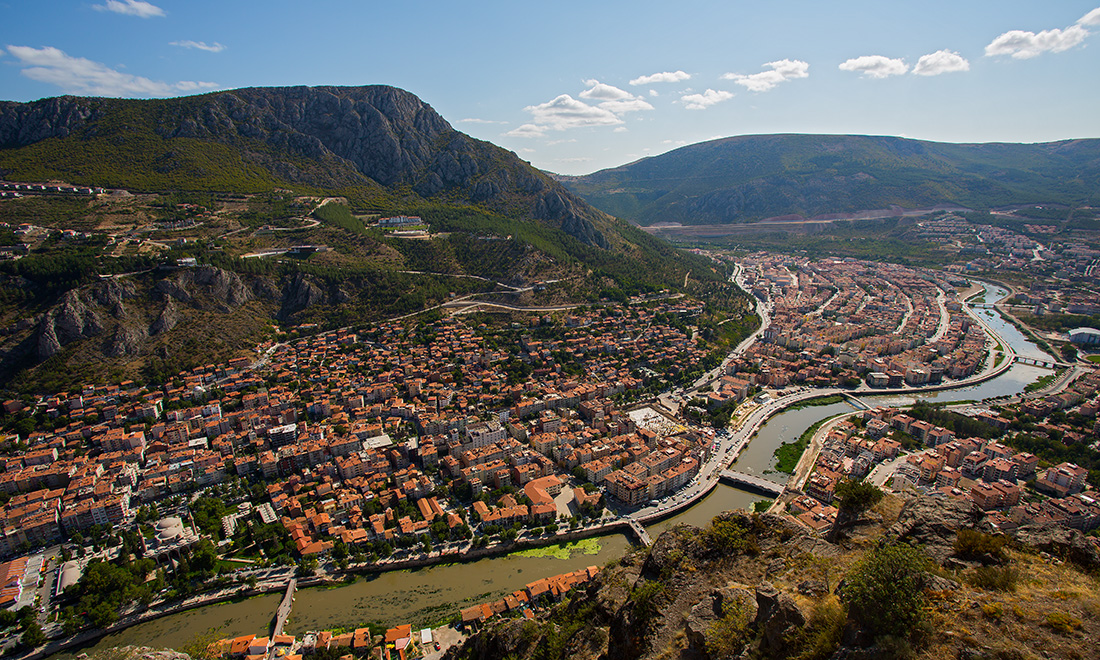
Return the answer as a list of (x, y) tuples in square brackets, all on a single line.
[(378, 137)]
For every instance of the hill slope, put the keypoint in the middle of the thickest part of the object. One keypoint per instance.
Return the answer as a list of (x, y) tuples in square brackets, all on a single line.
[(740, 179), (763, 586), (378, 143), (234, 180)]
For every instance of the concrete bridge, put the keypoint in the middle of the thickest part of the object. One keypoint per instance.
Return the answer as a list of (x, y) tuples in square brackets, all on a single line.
[(752, 482), (1049, 364), (640, 533), (283, 613), (856, 401)]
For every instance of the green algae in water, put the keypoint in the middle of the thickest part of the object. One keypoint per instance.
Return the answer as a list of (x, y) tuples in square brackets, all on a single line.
[(589, 546)]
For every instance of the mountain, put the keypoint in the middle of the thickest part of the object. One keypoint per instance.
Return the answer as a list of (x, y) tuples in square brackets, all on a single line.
[(379, 142), (231, 181), (741, 179)]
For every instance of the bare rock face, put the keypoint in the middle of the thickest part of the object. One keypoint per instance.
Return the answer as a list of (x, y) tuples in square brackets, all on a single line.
[(700, 624), (208, 283), (777, 615), (135, 653), (72, 319), (299, 294), (167, 319), (1069, 544), (124, 341), (934, 523)]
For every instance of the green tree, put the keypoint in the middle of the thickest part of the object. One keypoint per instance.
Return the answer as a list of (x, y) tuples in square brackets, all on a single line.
[(885, 590), (33, 637), (852, 498)]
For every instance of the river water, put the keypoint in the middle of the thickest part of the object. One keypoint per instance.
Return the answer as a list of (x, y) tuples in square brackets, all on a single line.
[(433, 595), (424, 597)]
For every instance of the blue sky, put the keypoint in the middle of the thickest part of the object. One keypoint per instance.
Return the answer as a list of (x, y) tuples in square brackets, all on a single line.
[(578, 86)]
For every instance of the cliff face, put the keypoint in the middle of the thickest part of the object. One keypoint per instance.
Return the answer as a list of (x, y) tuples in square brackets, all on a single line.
[(761, 586), (327, 137), (203, 313)]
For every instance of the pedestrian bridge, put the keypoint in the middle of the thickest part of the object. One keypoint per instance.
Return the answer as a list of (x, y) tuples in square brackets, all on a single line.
[(752, 482)]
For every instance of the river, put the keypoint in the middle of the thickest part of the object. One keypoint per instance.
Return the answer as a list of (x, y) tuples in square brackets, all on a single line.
[(424, 597), (433, 595)]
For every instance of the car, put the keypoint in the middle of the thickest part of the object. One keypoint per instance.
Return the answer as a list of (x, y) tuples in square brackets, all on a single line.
[(437, 647)]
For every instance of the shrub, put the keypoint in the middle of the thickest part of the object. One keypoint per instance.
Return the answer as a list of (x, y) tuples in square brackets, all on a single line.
[(821, 636), (727, 635), (885, 590), (972, 544), (994, 578), (993, 610), (645, 597), (1063, 622), (730, 537)]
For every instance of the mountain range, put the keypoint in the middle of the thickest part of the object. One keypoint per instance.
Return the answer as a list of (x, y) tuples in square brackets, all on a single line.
[(742, 179)]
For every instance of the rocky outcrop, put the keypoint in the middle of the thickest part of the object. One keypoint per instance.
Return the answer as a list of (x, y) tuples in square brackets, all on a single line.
[(135, 653), (167, 319), (300, 293), (223, 287), (933, 523), (26, 123), (777, 615), (1063, 542), (74, 318), (124, 341)]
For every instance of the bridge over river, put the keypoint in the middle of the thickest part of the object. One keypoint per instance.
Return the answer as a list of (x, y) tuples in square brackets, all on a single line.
[(283, 613), (752, 482)]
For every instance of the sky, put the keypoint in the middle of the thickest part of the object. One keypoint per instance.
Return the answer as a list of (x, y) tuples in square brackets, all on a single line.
[(574, 87)]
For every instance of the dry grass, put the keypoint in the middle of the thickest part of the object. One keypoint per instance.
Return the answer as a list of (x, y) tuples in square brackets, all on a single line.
[(1054, 612)]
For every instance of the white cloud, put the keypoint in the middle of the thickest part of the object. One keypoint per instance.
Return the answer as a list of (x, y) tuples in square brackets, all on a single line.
[(663, 77), (614, 99), (1091, 18), (620, 129), (138, 8), (875, 66), (553, 142), (1023, 45), (77, 75), (567, 112), (199, 45), (603, 92), (527, 131), (781, 71), (941, 61), (474, 120), (653, 92), (705, 100), (624, 106), (577, 159)]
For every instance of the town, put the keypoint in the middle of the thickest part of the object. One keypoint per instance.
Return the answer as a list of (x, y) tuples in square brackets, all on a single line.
[(408, 442)]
